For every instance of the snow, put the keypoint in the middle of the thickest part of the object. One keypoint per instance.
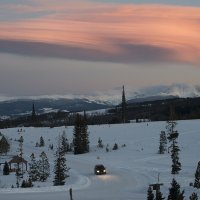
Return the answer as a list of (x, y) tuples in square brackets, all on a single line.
[(130, 169), (113, 96)]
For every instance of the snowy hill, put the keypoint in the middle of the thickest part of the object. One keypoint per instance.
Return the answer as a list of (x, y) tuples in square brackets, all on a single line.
[(20, 107), (176, 90), (130, 169), (17, 106)]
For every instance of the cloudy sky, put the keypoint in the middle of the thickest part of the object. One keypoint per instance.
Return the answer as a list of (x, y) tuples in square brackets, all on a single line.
[(83, 46)]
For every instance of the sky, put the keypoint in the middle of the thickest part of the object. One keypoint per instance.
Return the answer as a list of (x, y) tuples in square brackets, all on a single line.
[(64, 47)]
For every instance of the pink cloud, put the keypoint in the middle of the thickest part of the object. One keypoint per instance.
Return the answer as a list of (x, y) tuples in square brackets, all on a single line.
[(116, 30)]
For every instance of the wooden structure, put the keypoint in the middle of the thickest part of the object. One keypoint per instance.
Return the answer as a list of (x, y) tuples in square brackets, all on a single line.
[(156, 187), (17, 160)]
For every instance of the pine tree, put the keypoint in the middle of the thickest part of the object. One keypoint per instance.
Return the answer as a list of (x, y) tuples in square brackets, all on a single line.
[(172, 137), (85, 135), (33, 113), (33, 169), (171, 123), (41, 142), (21, 140), (150, 195), (163, 143), (81, 137), (5, 146), (176, 165), (160, 196), (115, 147), (44, 167), (77, 140), (123, 106), (194, 196), (23, 185), (60, 167), (174, 191), (6, 170), (197, 177), (100, 143), (64, 142)]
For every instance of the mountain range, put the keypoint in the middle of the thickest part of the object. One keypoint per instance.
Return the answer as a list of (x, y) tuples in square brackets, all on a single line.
[(72, 103)]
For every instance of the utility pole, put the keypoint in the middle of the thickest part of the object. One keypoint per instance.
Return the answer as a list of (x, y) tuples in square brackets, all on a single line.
[(70, 193)]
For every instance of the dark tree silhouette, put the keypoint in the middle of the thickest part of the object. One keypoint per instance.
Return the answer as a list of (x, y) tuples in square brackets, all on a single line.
[(81, 138), (194, 196), (174, 191), (6, 170), (150, 195), (197, 177), (60, 167), (124, 105), (172, 137)]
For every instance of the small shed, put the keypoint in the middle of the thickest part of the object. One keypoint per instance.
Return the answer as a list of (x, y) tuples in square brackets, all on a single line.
[(17, 160)]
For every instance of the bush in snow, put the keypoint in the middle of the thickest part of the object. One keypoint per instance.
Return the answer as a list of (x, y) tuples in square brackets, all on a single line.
[(26, 183), (100, 143), (115, 147), (194, 196), (41, 142), (6, 170)]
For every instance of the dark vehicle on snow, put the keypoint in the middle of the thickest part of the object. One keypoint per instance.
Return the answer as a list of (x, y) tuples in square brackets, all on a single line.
[(99, 169)]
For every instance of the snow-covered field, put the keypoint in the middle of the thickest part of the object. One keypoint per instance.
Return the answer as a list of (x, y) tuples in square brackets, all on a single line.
[(130, 169)]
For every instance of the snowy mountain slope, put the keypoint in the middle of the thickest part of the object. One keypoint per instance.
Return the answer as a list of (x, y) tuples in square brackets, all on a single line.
[(130, 169), (20, 107), (12, 106), (177, 90)]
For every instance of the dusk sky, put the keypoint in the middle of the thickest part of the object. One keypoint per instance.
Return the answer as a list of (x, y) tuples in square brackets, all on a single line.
[(64, 47)]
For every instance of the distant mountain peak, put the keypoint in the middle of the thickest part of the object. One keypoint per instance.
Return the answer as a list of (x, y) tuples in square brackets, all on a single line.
[(177, 90)]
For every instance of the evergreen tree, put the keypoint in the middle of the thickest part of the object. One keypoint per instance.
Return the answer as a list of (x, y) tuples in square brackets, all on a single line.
[(100, 143), (194, 196), (163, 143), (160, 196), (172, 137), (123, 106), (6, 170), (60, 167), (44, 167), (150, 195), (197, 177), (174, 191), (33, 169), (171, 123), (20, 170), (81, 136), (41, 142), (26, 183), (5, 146), (33, 115), (85, 135), (64, 142), (115, 147), (77, 140), (176, 165), (23, 185)]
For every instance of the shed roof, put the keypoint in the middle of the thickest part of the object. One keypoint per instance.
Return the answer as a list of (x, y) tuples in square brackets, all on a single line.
[(17, 159)]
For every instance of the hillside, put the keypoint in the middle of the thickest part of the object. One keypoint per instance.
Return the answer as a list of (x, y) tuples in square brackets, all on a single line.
[(20, 107), (130, 169)]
